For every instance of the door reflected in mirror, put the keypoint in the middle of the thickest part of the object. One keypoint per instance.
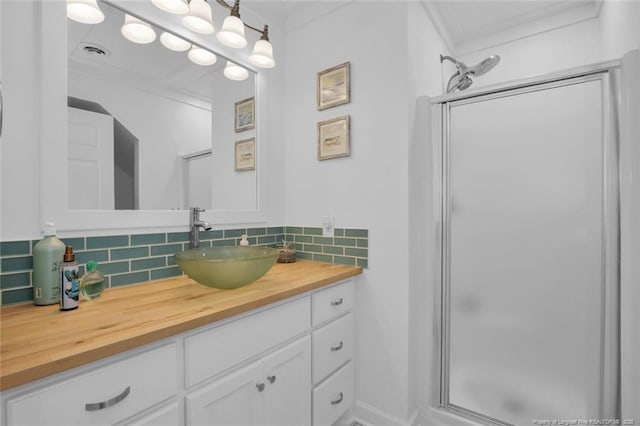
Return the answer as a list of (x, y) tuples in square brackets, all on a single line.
[(150, 129)]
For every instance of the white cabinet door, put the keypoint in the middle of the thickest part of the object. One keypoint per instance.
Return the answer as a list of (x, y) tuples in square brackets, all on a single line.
[(288, 377), (273, 391), (234, 400)]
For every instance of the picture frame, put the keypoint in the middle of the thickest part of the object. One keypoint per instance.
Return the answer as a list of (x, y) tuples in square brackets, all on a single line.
[(245, 155), (245, 115), (333, 86), (334, 138)]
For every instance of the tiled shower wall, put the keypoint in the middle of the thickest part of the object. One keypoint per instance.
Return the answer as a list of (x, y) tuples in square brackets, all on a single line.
[(128, 259)]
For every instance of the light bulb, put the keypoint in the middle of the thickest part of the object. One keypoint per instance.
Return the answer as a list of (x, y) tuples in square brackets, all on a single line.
[(232, 33), (137, 31), (262, 55), (200, 56), (84, 11), (199, 17), (235, 72), (174, 43), (179, 7)]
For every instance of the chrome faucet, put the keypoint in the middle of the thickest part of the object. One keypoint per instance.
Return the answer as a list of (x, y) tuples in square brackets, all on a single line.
[(194, 226)]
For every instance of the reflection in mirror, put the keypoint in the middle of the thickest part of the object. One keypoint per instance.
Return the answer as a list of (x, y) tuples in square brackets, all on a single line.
[(142, 133)]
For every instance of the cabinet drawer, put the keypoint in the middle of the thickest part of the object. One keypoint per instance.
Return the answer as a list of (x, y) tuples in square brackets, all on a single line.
[(67, 403), (332, 346), (212, 351), (333, 397), (332, 302)]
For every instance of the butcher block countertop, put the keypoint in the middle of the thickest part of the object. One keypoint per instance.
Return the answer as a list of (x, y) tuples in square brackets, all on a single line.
[(38, 341)]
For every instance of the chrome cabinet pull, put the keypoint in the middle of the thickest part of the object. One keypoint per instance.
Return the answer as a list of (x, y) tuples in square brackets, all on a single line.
[(95, 406), (338, 401), (260, 387), (271, 379), (337, 348), (337, 302)]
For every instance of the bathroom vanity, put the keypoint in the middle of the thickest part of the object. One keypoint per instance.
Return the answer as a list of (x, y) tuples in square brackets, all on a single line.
[(279, 351)]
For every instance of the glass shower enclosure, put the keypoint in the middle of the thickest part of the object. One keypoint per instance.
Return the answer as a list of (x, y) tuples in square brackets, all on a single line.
[(529, 253)]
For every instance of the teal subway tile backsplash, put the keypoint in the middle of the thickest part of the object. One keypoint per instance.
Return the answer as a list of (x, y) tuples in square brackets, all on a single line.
[(166, 249), (175, 237), (157, 274), (150, 263), (15, 280), (312, 231), (17, 263), (347, 246), (113, 267), (129, 253), (211, 235), (13, 248), (131, 278), (17, 295), (358, 233), (256, 231), (128, 259), (138, 240), (76, 243), (107, 242), (96, 255), (231, 233)]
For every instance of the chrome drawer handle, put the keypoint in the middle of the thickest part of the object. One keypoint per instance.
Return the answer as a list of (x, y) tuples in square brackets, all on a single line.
[(337, 401), (271, 379), (260, 387), (95, 406), (337, 348), (337, 302)]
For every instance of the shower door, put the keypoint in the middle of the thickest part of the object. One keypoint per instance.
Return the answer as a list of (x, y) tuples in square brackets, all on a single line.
[(529, 260)]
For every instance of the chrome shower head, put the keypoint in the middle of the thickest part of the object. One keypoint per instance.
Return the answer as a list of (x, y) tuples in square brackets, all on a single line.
[(464, 83), (484, 67), (463, 80), (457, 82)]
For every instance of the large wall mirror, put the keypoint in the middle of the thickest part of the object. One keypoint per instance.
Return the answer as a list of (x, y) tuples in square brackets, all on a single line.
[(174, 121), (150, 129)]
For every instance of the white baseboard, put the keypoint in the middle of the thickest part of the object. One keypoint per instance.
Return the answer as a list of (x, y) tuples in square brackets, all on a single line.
[(368, 415)]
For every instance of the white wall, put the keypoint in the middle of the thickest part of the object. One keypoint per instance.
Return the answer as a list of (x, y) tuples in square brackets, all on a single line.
[(232, 190), (620, 27), (555, 50), (615, 32), (369, 189), (20, 136)]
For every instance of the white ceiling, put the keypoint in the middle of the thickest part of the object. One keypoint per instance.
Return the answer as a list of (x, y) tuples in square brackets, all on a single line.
[(468, 25), (465, 25)]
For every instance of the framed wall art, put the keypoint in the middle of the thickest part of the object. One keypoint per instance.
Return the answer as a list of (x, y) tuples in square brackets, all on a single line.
[(245, 115), (333, 86), (245, 155), (333, 138)]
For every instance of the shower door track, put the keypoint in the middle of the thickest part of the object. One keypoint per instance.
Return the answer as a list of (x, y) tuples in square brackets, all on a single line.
[(610, 344)]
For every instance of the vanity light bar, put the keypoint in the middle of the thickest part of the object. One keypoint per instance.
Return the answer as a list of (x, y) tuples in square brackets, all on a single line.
[(198, 18)]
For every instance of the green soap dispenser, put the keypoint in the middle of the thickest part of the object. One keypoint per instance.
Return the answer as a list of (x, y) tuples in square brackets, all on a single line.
[(91, 284), (47, 256)]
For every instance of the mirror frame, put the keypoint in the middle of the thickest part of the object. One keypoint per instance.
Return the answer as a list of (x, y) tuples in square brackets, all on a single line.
[(53, 133)]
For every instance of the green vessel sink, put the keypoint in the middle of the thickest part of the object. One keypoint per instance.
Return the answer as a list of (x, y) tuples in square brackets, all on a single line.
[(226, 267)]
